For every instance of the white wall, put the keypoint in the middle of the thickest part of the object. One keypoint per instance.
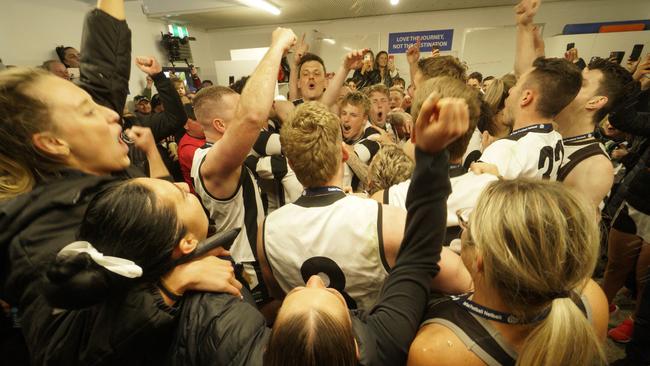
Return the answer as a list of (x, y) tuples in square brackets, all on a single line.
[(31, 29), (553, 15)]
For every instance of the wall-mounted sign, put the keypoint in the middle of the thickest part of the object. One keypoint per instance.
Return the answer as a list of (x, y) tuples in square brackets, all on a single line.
[(441, 39)]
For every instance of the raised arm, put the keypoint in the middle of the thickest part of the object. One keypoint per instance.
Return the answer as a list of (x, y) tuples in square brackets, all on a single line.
[(413, 56), (106, 55), (173, 118), (351, 61), (527, 39), (301, 48), (397, 315), (221, 168)]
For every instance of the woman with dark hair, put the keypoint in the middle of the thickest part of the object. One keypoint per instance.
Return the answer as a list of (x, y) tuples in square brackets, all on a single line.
[(386, 68), (59, 146), (69, 56), (368, 74)]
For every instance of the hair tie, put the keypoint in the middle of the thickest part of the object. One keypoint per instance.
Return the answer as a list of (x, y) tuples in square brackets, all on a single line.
[(121, 266), (561, 295)]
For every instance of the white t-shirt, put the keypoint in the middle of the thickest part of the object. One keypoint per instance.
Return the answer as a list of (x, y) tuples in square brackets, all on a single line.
[(532, 152), (331, 234), (465, 191)]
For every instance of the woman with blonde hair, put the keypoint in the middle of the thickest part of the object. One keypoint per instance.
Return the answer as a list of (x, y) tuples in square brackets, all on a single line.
[(530, 247)]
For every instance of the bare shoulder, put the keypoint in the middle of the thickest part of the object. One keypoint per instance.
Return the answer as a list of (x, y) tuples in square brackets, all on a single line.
[(594, 176), (378, 196), (392, 226), (436, 344), (599, 307)]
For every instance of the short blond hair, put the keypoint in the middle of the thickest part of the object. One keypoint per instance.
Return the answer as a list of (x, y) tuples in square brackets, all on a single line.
[(396, 89), (449, 87), (311, 140), (377, 88), (390, 166), (207, 103), (357, 99)]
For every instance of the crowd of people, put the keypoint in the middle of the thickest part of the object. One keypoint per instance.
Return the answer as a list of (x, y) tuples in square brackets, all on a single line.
[(456, 220)]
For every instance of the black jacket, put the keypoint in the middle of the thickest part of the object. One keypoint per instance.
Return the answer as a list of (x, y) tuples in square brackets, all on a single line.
[(218, 329), (33, 228), (36, 225), (106, 59), (172, 120), (223, 330)]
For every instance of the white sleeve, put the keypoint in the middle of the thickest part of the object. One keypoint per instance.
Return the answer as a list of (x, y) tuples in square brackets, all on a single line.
[(506, 155), (465, 192)]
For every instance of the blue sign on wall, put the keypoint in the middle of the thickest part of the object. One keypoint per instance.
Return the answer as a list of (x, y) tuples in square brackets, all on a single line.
[(400, 42)]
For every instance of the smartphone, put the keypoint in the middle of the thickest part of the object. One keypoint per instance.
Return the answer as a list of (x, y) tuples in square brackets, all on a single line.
[(231, 80), (570, 46), (636, 52), (618, 55), (367, 57), (224, 240)]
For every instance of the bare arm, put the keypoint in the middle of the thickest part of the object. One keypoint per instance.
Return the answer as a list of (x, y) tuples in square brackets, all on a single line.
[(413, 56), (222, 166), (358, 167), (301, 48), (144, 140), (351, 61), (114, 8), (526, 35), (593, 178)]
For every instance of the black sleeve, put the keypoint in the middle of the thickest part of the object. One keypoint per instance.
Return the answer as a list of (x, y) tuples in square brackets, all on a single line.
[(128, 329), (106, 59), (632, 116), (173, 118), (581, 63), (394, 321)]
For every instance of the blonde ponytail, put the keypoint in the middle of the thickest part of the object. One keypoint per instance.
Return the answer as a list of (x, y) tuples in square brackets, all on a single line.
[(565, 337), (539, 241)]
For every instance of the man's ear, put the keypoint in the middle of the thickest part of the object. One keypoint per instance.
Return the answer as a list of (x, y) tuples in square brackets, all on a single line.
[(186, 246), (344, 153), (527, 97), (596, 103), (218, 125), (48, 143)]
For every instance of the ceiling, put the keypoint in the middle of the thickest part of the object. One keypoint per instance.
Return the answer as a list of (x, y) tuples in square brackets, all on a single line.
[(230, 13)]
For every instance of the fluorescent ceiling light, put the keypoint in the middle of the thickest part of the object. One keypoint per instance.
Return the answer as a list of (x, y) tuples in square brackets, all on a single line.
[(263, 5), (394, 2), (329, 40)]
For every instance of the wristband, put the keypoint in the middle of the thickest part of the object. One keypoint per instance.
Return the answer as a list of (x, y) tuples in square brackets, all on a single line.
[(174, 297)]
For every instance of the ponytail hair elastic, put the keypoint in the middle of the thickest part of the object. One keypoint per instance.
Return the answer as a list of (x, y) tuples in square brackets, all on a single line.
[(120, 266)]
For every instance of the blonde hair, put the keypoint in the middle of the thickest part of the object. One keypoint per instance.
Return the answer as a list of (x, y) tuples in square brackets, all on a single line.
[(207, 103), (396, 89), (390, 166), (539, 242), (357, 99), (449, 87), (311, 140), (22, 164), (377, 88)]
